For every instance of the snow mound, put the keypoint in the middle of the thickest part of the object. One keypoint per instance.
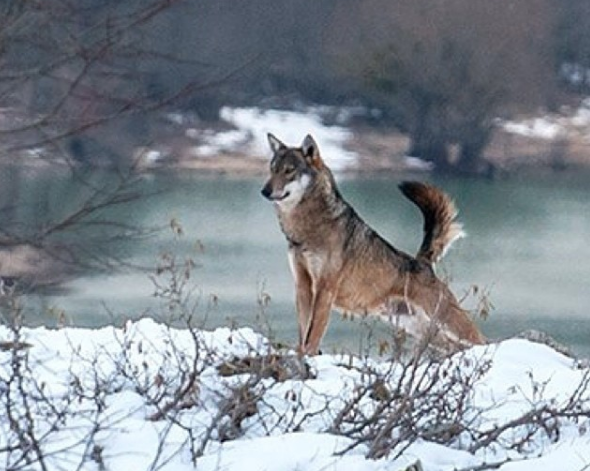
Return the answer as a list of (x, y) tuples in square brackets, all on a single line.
[(147, 396)]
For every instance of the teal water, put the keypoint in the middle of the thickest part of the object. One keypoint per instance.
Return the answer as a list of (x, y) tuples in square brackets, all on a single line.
[(528, 250)]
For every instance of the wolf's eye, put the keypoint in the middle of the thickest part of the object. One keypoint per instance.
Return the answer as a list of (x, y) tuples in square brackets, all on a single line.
[(289, 169)]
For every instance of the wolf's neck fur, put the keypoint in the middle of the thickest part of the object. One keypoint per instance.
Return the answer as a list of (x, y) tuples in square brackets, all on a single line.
[(319, 208)]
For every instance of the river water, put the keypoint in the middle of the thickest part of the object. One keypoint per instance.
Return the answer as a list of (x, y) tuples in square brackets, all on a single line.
[(527, 251)]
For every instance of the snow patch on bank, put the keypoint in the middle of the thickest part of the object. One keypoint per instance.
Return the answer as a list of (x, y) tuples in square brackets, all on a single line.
[(291, 127), (553, 125), (542, 128), (214, 143)]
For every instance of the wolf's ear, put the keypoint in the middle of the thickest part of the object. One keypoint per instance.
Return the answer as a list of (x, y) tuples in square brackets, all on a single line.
[(275, 144), (311, 151)]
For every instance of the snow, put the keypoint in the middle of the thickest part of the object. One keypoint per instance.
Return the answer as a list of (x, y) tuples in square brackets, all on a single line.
[(542, 128), (108, 385), (581, 118), (418, 164), (153, 156), (224, 141), (251, 126), (552, 126), (295, 451), (291, 127)]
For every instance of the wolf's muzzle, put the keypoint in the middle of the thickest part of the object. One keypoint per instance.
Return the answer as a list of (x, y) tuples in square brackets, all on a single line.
[(266, 192)]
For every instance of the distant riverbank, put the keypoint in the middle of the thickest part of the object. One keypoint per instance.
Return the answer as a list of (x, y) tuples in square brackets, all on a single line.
[(237, 143)]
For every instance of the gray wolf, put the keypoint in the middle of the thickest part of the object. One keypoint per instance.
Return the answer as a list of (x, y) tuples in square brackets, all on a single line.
[(338, 261)]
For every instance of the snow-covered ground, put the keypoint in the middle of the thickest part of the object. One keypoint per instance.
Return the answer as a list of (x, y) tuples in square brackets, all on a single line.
[(149, 397)]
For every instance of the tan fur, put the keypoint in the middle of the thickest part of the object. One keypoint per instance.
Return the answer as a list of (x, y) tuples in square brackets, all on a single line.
[(339, 262)]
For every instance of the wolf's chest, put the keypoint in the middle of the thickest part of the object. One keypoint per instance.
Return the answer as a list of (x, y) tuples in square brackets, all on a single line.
[(314, 262)]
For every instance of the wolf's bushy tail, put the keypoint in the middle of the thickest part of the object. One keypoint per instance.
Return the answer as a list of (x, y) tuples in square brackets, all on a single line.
[(440, 227)]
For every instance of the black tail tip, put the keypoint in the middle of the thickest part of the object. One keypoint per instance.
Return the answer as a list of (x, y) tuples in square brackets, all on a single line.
[(409, 187)]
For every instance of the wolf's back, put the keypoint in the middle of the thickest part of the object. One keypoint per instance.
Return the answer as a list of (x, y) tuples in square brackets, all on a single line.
[(440, 226)]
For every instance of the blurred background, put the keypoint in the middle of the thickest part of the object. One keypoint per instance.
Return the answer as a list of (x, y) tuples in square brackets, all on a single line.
[(133, 133)]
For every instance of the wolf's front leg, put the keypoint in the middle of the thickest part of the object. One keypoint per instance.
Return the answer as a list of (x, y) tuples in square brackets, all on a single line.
[(304, 306), (304, 298), (320, 315)]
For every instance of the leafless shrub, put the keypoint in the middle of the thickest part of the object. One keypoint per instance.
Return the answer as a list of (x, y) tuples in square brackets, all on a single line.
[(37, 415), (544, 417), (411, 400)]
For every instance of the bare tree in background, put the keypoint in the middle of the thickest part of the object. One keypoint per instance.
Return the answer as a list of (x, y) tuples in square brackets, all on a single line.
[(450, 69), (68, 67), (78, 80)]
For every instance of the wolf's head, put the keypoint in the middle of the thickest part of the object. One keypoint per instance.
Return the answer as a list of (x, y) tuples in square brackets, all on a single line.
[(293, 170)]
